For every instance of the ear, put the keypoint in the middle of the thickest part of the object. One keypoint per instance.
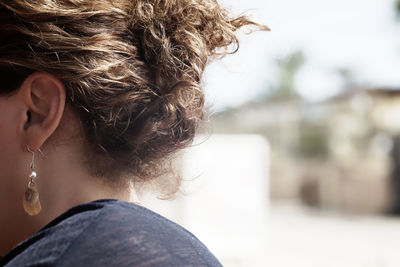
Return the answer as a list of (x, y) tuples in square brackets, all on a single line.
[(43, 97)]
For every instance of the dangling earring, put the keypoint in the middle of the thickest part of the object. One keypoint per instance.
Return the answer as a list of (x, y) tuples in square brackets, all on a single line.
[(31, 202)]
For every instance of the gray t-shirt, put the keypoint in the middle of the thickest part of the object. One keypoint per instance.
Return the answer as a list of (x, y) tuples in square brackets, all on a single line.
[(110, 232)]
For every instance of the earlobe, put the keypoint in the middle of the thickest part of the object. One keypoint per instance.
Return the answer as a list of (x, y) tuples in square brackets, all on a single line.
[(43, 96)]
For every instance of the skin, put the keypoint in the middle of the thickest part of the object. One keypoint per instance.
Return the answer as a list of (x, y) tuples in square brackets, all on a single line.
[(62, 179)]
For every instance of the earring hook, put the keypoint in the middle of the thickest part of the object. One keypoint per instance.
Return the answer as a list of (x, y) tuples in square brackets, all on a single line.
[(40, 151)]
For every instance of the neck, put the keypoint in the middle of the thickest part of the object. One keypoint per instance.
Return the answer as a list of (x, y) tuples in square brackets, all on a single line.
[(62, 183)]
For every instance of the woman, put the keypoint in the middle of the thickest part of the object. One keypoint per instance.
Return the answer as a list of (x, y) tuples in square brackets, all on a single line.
[(97, 95)]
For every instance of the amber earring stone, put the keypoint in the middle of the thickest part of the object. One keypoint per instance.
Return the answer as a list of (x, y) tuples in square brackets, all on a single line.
[(31, 202)]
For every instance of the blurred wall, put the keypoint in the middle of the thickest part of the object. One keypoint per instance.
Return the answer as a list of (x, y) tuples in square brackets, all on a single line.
[(225, 198)]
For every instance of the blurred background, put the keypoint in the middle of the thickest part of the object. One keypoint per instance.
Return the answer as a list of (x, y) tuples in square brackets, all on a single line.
[(300, 163)]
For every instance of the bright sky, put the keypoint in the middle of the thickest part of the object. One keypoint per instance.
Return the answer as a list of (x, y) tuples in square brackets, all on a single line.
[(362, 35)]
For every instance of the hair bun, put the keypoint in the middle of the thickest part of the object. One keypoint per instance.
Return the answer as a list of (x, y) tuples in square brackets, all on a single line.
[(132, 70)]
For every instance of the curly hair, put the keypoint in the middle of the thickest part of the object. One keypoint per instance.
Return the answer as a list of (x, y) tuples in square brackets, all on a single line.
[(132, 70)]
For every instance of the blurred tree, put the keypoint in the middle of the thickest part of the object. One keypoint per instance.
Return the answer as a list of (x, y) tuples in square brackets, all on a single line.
[(347, 76), (288, 68), (398, 7)]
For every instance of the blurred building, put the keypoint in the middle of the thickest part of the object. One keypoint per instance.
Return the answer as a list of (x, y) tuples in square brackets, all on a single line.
[(341, 154)]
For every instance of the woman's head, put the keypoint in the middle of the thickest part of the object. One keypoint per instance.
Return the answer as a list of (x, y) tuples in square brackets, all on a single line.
[(131, 71)]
